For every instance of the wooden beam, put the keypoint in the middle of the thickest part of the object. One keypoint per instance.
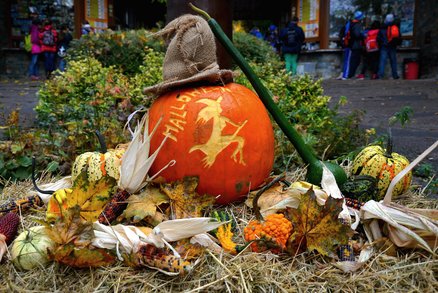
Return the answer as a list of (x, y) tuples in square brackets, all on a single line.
[(79, 10), (324, 27)]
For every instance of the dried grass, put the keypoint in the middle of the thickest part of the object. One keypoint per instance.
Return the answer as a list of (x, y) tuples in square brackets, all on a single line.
[(410, 271)]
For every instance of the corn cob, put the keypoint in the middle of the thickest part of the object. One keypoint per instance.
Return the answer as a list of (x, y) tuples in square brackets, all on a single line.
[(23, 204), (8, 230), (353, 203), (9, 226), (114, 208), (158, 258)]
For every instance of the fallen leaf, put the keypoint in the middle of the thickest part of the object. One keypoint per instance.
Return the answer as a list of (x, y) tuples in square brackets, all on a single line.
[(145, 204), (71, 228), (73, 235), (82, 258), (280, 197), (316, 227), (90, 196), (185, 201), (269, 198)]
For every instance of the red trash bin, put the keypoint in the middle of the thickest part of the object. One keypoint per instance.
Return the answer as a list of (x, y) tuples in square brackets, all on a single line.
[(411, 69)]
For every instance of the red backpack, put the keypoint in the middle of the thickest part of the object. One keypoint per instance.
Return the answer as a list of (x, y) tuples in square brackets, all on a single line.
[(371, 41), (392, 33)]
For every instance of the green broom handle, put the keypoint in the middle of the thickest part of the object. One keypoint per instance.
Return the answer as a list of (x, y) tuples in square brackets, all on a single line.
[(265, 96)]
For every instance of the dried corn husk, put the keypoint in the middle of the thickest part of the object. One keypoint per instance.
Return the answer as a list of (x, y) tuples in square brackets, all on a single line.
[(62, 183), (329, 185), (136, 160), (404, 227), (127, 239)]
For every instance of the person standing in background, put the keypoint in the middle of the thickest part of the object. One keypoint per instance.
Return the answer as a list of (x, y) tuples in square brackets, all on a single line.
[(35, 50), (356, 43), (255, 31), (388, 38), (86, 28), (372, 53), (272, 38), (65, 38), (292, 38), (48, 39)]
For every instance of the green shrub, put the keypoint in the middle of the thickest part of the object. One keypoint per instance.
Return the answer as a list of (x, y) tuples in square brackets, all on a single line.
[(256, 50), (302, 101), (86, 97), (124, 50)]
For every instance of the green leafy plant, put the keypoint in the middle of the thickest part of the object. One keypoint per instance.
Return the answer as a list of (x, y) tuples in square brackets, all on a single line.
[(124, 50), (256, 50), (403, 116)]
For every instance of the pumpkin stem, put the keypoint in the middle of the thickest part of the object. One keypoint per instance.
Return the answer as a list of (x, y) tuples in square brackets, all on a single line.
[(103, 148), (389, 144), (34, 180), (200, 11), (255, 200)]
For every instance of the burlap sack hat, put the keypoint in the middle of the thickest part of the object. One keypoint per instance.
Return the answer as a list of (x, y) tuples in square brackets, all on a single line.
[(190, 56)]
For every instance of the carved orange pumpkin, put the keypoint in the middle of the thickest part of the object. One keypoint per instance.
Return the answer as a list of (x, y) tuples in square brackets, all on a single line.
[(222, 134)]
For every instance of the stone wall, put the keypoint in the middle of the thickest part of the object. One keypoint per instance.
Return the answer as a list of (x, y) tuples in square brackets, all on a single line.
[(328, 63), (14, 63), (427, 37)]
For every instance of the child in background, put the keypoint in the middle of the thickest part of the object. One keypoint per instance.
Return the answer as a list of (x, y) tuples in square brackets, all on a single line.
[(35, 50), (48, 39), (372, 53), (65, 38)]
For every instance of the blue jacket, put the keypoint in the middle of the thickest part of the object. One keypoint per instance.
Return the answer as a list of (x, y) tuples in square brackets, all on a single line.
[(297, 38), (357, 36)]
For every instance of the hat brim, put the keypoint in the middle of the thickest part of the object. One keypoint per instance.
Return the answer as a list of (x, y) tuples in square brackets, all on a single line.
[(209, 76)]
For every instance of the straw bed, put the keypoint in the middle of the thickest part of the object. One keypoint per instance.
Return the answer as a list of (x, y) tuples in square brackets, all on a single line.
[(410, 271)]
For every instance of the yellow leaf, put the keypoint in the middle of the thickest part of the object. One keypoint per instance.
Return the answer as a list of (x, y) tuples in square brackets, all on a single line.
[(279, 197), (145, 204), (91, 197)]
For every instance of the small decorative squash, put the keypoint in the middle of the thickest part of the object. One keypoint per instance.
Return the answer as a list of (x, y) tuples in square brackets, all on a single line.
[(29, 250), (105, 163), (222, 134), (383, 165)]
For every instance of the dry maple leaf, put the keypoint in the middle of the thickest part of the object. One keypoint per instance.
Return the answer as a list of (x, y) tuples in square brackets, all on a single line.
[(82, 258), (185, 202), (316, 227), (71, 228), (144, 205), (73, 236)]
